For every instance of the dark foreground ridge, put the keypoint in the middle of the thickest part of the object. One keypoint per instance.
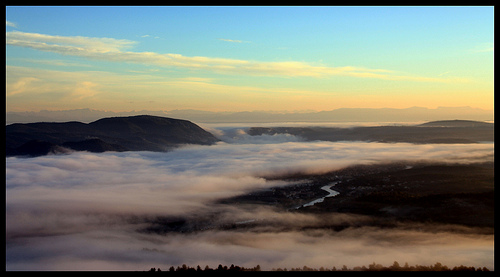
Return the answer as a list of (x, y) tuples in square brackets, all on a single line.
[(134, 133)]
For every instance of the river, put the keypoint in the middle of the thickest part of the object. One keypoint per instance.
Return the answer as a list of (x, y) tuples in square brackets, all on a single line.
[(326, 188)]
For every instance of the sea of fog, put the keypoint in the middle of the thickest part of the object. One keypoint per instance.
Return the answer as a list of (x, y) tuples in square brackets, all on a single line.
[(85, 211)]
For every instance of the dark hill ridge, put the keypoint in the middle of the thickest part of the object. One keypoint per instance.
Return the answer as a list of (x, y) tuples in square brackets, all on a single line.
[(457, 123), (134, 133), (93, 145), (154, 133), (448, 131), (37, 148)]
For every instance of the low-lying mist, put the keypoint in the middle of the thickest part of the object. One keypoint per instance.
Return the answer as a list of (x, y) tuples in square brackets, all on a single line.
[(88, 211)]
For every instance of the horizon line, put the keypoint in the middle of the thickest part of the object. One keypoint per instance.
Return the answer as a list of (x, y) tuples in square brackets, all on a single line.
[(262, 111)]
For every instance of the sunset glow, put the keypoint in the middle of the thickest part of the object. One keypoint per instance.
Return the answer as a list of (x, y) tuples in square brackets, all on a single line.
[(248, 58), (249, 138)]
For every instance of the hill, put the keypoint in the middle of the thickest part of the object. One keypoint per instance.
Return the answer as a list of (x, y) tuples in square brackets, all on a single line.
[(455, 131), (134, 133), (457, 123)]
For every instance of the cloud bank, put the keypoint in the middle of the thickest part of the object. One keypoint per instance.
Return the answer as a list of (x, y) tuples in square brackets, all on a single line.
[(85, 211), (110, 49)]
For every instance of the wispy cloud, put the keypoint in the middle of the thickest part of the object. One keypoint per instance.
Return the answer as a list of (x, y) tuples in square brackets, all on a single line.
[(110, 49), (233, 40), (22, 85), (149, 36), (68, 45), (35, 84), (41, 88), (52, 62), (84, 89), (11, 24), (485, 47)]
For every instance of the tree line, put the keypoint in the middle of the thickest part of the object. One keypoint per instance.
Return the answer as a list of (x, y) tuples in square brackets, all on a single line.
[(184, 267), (371, 267)]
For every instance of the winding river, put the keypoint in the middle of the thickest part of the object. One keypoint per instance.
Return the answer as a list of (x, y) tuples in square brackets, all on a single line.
[(326, 188)]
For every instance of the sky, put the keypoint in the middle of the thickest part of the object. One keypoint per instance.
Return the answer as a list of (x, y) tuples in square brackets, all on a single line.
[(218, 58)]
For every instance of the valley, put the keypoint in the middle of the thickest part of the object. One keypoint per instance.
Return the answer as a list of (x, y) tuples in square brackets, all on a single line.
[(383, 195)]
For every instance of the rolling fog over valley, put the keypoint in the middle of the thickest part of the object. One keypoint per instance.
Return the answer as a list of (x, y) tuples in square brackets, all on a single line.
[(249, 138), (157, 209)]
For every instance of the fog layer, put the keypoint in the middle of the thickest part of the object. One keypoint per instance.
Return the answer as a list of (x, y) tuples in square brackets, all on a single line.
[(86, 211)]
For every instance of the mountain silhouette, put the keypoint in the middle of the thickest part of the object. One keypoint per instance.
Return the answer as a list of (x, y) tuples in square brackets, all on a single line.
[(457, 123), (36, 148), (446, 131), (134, 133), (93, 145)]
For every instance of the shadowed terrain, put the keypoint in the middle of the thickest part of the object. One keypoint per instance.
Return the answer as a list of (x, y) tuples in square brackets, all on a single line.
[(134, 133), (453, 131), (384, 195)]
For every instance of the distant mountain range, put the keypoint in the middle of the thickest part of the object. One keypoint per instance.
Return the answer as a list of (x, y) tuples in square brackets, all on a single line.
[(134, 133), (413, 114)]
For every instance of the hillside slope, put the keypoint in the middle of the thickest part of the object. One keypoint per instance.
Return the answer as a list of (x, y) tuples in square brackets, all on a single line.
[(134, 133), (455, 131)]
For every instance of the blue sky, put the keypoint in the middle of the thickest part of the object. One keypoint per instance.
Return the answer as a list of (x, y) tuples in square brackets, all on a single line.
[(248, 58)]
